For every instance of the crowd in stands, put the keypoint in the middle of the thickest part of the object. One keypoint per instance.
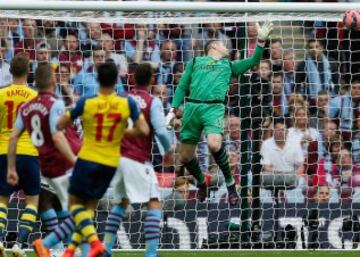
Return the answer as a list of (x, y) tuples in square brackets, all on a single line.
[(313, 100)]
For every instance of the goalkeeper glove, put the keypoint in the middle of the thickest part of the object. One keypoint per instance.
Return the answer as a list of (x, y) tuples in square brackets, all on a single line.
[(169, 118), (264, 31)]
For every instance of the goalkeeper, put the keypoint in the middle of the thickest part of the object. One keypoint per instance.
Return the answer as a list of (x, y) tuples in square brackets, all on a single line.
[(203, 87)]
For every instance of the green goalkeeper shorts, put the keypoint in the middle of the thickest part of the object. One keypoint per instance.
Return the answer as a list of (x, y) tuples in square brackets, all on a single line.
[(198, 117)]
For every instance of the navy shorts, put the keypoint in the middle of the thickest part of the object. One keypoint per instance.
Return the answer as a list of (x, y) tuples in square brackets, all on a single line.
[(90, 180), (28, 170)]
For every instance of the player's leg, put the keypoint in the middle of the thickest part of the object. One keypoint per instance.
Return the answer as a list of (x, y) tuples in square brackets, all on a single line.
[(28, 168), (88, 184), (153, 216), (152, 227), (213, 119), (191, 129), (118, 211), (4, 200)]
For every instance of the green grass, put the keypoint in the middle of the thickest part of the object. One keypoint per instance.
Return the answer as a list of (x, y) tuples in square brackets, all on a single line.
[(220, 253)]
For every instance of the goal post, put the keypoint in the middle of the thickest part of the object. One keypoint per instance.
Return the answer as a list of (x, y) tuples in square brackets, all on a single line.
[(73, 34)]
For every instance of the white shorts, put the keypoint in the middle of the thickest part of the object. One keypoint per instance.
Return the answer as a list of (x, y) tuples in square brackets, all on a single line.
[(135, 181), (60, 185)]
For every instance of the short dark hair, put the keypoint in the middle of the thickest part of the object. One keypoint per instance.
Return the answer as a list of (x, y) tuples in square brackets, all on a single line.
[(209, 44), (19, 65), (277, 74), (276, 40), (279, 120), (107, 74), (3, 43), (355, 79), (44, 76), (143, 74)]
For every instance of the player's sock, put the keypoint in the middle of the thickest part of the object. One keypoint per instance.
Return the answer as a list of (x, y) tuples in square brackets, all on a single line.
[(222, 160), (83, 222), (51, 222), (61, 233), (76, 239), (194, 168), (27, 222), (3, 218), (62, 216), (152, 232), (85, 249), (114, 219)]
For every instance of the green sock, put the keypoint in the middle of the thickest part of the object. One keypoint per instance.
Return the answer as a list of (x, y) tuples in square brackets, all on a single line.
[(194, 168), (222, 161)]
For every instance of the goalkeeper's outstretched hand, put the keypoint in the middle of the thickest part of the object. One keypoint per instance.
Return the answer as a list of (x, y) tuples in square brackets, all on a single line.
[(265, 30), (170, 118)]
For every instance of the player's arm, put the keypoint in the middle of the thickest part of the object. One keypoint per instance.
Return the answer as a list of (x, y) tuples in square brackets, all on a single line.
[(12, 177), (140, 128), (67, 119), (181, 91), (58, 137), (239, 67), (159, 124)]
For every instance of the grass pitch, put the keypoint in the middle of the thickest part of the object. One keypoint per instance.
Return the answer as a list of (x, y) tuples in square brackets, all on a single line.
[(226, 253)]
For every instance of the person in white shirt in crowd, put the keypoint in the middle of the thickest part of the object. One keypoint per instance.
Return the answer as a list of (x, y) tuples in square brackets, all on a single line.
[(301, 131), (107, 44), (5, 75), (283, 163)]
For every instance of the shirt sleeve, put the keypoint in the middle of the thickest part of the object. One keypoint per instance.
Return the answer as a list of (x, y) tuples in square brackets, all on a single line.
[(56, 111), (184, 84), (239, 67), (19, 122), (134, 109), (265, 155), (158, 122), (333, 107), (78, 109)]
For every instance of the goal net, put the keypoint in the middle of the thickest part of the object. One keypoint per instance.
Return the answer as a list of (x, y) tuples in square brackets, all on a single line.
[(300, 191)]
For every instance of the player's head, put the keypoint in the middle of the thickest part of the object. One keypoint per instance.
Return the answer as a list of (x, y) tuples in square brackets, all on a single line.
[(216, 47), (143, 75), (107, 74), (19, 66), (44, 77)]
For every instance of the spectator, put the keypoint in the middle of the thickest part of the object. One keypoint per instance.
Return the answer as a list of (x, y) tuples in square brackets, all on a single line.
[(276, 54), (289, 64), (5, 75), (356, 140), (295, 100), (11, 31), (301, 131), (48, 33), (166, 66), (326, 167), (85, 83), (211, 31), (282, 159), (143, 47), (64, 90), (346, 169), (322, 194), (177, 198), (232, 138), (279, 102), (30, 40), (42, 56), (344, 108), (93, 34), (318, 118), (161, 92), (315, 73), (252, 37), (71, 53), (107, 44)]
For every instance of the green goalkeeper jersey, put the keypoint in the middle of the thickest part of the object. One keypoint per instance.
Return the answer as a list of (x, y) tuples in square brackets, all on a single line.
[(207, 79)]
